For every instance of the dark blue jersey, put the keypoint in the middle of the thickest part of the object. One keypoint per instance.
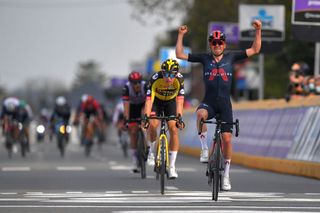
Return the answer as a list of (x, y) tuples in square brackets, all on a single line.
[(217, 76)]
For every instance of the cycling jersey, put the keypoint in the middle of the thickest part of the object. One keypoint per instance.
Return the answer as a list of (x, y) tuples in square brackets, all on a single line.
[(128, 94), (91, 108), (158, 88), (217, 76)]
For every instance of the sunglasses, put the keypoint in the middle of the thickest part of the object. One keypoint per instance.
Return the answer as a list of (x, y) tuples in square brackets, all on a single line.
[(136, 82), (169, 75), (214, 43)]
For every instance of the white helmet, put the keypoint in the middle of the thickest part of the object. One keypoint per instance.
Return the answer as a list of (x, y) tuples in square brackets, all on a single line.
[(60, 101), (84, 97)]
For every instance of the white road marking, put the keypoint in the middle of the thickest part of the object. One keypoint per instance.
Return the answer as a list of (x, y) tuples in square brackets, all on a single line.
[(71, 168), (196, 208), (117, 192), (74, 192), (140, 192), (171, 188), (16, 169), (8, 193), (121, 167)]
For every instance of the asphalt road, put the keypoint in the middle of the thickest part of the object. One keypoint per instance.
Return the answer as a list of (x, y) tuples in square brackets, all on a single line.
[(103, 182)]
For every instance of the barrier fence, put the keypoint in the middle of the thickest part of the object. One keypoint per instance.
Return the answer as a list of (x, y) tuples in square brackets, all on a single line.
[(274, 135)]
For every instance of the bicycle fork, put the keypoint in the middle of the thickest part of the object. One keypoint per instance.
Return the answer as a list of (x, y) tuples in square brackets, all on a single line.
[(163, 141)]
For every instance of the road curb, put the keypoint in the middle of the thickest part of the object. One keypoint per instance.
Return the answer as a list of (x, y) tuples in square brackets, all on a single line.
[(301, 168)]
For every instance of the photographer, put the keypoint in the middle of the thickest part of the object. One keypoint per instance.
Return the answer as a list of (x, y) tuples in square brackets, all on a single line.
[(296, 78)]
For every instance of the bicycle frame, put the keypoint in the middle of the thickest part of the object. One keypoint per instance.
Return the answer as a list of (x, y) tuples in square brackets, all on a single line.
[(162, 149), (216, 163)]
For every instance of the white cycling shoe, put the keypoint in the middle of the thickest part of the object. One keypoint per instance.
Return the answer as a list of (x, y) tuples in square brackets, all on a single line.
[(150, 160), (226, 184), (172, 173), (204, 156)]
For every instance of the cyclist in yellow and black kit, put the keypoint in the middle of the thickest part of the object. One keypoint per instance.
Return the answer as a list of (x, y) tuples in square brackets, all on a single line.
[(166, 93)]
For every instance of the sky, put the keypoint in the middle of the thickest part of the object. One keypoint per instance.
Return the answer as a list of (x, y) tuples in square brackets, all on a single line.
[(48, 38)]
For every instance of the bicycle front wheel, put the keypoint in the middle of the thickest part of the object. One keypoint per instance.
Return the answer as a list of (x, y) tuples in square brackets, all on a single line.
[(142, 154), (216, 170), (163, 164)]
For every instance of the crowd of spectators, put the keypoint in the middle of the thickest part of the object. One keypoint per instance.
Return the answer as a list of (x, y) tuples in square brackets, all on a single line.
[(301, 82)]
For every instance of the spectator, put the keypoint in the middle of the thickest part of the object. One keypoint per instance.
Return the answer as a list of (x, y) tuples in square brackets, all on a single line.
[(317, 83), (296, 78)]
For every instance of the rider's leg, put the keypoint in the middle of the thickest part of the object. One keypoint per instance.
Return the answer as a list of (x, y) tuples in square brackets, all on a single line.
[(174, 142), (152, 132), (227, 151), (203, 114), (133, 130)]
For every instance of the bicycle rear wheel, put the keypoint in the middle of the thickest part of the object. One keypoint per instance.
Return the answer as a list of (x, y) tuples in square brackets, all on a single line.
[(163, 164), (142, 154), (216, 170)]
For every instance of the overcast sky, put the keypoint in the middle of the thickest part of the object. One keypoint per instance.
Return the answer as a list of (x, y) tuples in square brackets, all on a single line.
[(47, 38)]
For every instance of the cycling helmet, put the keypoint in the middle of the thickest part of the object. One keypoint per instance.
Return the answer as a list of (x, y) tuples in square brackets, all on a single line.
[(170, 65), (22, 103), (90, 99), (11, 106), (84, 97), (60, 101), (135, 77), (216, 35)]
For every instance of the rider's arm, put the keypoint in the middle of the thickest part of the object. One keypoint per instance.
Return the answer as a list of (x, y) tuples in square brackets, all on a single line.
[(148, 103), (256, 45), (179, 45), (126, 101), (180, 96)]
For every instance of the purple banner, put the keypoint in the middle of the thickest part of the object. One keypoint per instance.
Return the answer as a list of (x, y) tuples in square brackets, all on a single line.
[(306, 5)]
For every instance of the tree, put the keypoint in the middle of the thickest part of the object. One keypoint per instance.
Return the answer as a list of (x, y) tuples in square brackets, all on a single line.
[(89, 71)]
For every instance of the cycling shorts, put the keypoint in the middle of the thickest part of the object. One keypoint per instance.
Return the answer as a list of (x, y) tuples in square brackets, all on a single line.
[(169, 107), (135, 111), (223, 107)]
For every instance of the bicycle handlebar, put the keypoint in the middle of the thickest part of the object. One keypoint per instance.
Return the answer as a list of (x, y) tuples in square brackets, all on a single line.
[(236, 123), (169, 118)]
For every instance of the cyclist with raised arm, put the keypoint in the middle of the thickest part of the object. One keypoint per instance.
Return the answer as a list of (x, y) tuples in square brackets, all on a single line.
[(133, 97), (217, 76), (166, 93)]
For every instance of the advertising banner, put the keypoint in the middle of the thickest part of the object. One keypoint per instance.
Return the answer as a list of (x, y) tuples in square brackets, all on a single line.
[(306, 12), (170, 52), (271, 16)]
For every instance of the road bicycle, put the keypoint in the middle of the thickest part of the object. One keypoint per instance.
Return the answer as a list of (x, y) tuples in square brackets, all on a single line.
[(215, 166), (162, 155), (142, 151)]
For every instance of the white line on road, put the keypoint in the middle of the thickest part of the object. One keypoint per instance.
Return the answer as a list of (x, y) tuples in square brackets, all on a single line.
[(71, 168), (16, 169), (8, 193), (140, 192), (261, 208), (171, 188)]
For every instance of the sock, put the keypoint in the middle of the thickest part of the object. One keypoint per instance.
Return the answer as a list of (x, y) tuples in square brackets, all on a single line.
[(134, 157), (203, 140), (227, 163), (151, 145), (172, 158)]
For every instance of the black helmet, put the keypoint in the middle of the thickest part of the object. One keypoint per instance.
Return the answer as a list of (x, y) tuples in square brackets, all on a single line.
[(170, 65), (217, 35)]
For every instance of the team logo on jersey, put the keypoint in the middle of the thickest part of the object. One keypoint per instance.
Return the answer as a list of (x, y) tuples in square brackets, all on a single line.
[(218, 72), (155, 76), (148, 92), (179, 75), (182, 91)]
